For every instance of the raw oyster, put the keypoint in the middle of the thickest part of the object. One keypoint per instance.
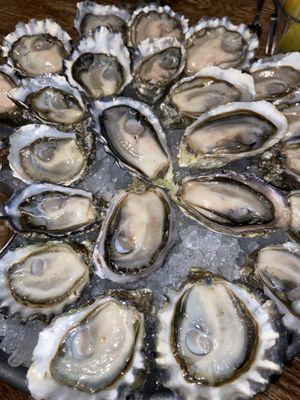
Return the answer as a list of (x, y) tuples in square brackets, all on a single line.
[(241, 205), (231, 132), (218, 340), (100, 64), (158, 63), (151, 21), (91, 15), (8, 81), (290, 107), (219, 42), (135, 236), (37, 47), (50, 99), (95, 352), (133, 134), (42, 153), (276, 76), (42, 278), (294, 201), (50, 209)]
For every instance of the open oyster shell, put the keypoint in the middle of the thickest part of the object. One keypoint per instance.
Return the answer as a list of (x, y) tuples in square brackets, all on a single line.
[(93, 353), (50, 99), (217, 41), (227, 202), (294, 202), (276, 76), (51, 209), (99, 65), (91, 15), (135, 236), (42, 278), (8, 81), (37, 47), (218, 340), (157, 64), (231, 132), (290, 106), (152, 21)]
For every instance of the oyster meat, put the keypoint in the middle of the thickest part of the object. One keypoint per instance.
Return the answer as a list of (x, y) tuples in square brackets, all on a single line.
[(290, 107), (42, 278)]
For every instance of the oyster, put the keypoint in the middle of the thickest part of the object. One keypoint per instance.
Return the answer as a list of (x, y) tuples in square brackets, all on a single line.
[(241, 205), (8, 81), (132, 133), (91, 15), (290, 107), (158, 63), (219, 42), (100, 64), (294, 201), (42, 278), (95, 352), (152, 21), (42, 153), (218, 340), (231, 132), (37, 47), (7, 233), (276, 76), (135, 236), (50, 209), (50, 99)]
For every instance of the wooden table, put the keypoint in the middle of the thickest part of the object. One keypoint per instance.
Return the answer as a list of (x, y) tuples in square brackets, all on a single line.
[(287, 387)]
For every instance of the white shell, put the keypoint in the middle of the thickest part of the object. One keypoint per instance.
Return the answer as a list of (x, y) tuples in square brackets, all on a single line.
[(9, 71), (279, 60)]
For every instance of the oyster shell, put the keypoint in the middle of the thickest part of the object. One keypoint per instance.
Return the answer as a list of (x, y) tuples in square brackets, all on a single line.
[(135, 236), (95, 352), (42, 153), (218, 340), (294, 201), (8, 81), (91, 15), (276, 76), (37, 47), (290, 107), (100, 64), (158, 63), (42, 278), (219, 42), (152, 21), (50, 99), (133, 134), (231, 132), (241, 205), (51, 209), (7, 234)]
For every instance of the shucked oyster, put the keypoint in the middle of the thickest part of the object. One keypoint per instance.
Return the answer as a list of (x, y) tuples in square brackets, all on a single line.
[(294, 202), (219, 42), (51, 209), (234, 204), (230, 132), (218, 340), (37, 47), (290, 107), (95, 352), (100, 64), (135, 236), (42, 278)]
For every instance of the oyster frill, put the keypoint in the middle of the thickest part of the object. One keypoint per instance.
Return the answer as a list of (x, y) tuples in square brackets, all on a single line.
[(218, 340), (42, 278), (93, 353), (135, 236)]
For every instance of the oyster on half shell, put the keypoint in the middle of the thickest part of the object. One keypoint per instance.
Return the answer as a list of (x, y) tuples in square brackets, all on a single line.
[(290, 106), (8, 81)]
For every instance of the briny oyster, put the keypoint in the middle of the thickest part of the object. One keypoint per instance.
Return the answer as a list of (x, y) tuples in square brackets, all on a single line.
[(50, 99), (157, 64), (290, 106), (100, 64), (234, 204), (276, 76), (8, 81), (133, 134), (151, 21), (231, 132), (95, 352), (218, 340), (42, 153), (193, 95), (91, 15), (37, 47), (51, 209), (42, 278), (219, 42), (135, 236)]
